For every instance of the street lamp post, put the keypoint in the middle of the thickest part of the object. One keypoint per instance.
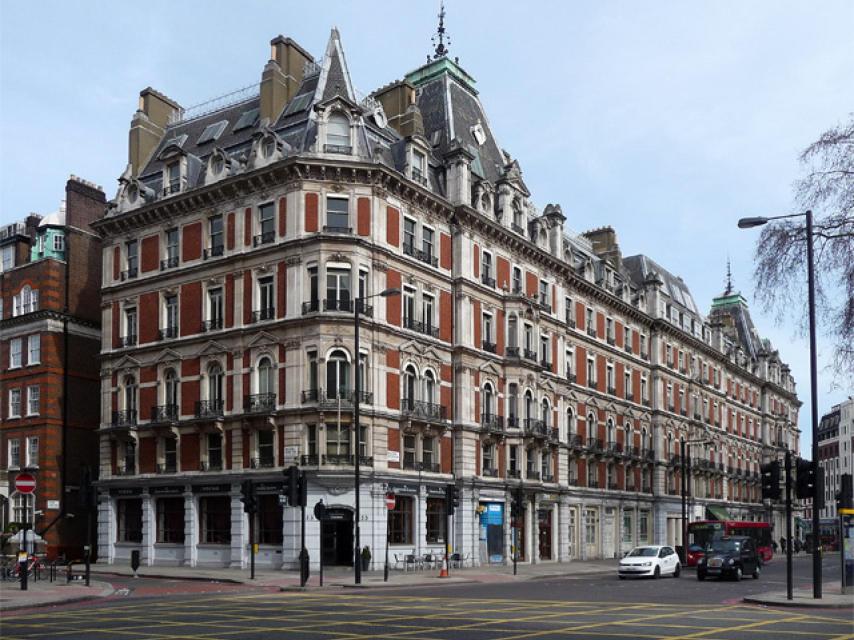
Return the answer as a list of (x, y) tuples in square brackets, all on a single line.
[(746, 223), (357, 310)]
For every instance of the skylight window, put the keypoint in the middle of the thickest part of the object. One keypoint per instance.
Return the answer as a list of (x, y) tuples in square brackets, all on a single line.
[(212, 131), (478, 133), (299, 103), (178, 141), (247, 119)]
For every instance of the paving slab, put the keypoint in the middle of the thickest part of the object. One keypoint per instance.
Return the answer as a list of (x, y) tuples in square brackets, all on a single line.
[(832, 598), (43, 593)]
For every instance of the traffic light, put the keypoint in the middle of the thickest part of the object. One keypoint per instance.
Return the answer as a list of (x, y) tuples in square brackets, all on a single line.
[(452, 498), (770, 480), (845, 495), (805, 480), (250, 504), (292, 489), (88, 494), (517, 507)]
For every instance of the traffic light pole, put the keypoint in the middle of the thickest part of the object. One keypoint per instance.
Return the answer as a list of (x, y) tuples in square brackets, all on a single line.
[(252, 545), (684, 484), (816, 552), (357, 556), (789, 525)]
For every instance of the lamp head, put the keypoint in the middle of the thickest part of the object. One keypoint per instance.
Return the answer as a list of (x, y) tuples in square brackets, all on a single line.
[(385, 293), (747, 223)]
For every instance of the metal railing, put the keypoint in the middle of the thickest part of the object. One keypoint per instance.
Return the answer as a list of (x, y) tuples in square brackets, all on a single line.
[(535, 427), (168, 333), (421, 327), (426, 257), (209, 408), (492, 423), (263, 314), (212, 325), (332, 228), (545, 364), (309, 460), (167, 467), (513, 473), (260, 403), (263, 462), (126, 418), (592, 482), (311, 306), (164, 413), (576, 442), (489, 347), (215, 251), (210, 465), (169, 263), (594, 444), (487, 280), (129, 274), (345, 149), (264, 238), (591, 332), (423, 410), (338, 304), (128, 341), (344, 396), (571, 377), (346, 460)]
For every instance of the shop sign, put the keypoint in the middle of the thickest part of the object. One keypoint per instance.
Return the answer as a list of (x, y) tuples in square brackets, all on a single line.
[(436, 491), (126, 491), (174, 490), (394, 456), (494, 514), (212, 488), (53, 504), (269, 487), (403, 489), (548, 497)]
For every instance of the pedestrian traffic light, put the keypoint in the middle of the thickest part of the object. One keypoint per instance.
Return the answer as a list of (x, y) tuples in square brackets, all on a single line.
[(517, 508), (805, 479), (452, 498), (770, 480), (250, 504), (88, 494), (292, 486), (845, 495)]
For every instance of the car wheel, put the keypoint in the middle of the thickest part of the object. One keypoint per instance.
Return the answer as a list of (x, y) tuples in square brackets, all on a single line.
[(701, 576), (622, 577), (657, 573), (738, 575), (756, 572), (677, 570)]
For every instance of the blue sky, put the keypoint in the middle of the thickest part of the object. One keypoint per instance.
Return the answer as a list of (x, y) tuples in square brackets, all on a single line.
[(666, 120)]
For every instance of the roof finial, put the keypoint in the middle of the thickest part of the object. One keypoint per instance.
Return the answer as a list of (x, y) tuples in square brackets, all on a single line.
[(728, 278), (440, 50)]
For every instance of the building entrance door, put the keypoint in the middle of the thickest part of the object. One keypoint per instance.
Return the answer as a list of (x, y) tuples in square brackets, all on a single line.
[(545, 533), (336, 537)]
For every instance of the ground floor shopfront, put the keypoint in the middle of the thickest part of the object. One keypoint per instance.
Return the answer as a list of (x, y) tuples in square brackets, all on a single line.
[(202, 523)]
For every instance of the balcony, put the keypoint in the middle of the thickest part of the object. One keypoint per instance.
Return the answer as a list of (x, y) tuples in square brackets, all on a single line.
[(529, 355), (646, 402), (168, 333), (128, 341), (426, 328), (673, 491), (489, 347), (630, 397), (591, 332), (215, 251), (570, 321), (535, 428), (127, 469), (426, 257), (517, 228), (545, 364), (263, 314), (513, 422), (264, 462), (553, 435), (426, 411), (613, 485), (164, 414), (129, 274), (544, 303), (211, 325), (591, 383), (612, 391), (337, 304), (211, 465), (489, 472), (487, 280), (346, 460), (548, 477), (532, 475), (429, 467), (571, 377), (615, 448), (595, 445), (648, 455), (513, 473), (344, 398), (209, 409), (644, 355), (125, 418), (169, 263), (418, 176), (167, 467), (310, 460), (344, 149), (260, 403), (628, 347), (576, 442), (684, 412), (675, 460), (573, 481), (263, 238), (592, 482), (492, 423)]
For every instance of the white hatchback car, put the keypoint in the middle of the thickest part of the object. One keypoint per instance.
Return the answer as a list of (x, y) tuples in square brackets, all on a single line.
[(651, 560)]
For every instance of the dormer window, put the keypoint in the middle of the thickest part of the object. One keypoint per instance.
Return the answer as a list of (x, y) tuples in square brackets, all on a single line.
[(173, 177), (478, 134), (419, 161), (217, 164), (268, 147), (338, 134)]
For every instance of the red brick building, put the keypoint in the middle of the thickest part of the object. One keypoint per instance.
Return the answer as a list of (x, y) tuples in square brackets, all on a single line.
[(49, 287)]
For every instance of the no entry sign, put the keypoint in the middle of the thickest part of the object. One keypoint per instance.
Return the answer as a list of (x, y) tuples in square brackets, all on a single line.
[(389, 501), (25, 483)]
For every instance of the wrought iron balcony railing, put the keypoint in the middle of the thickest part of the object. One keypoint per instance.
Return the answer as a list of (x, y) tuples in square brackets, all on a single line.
[(346, 460), (489, 347), (423, 410), (492, 423), (427, 329), (344, 397), (344, 149), (209, 408), (214, 251), (126, 418), (212, 324), (169, 263), (535, 427), (260, 403), (164, 413), (426, 257), (338, 304), (129, 274), (263, 314), (487, 280), (211, 465), (167, 467), (168, 333), (128, 340), (595, 445), (513, 473)]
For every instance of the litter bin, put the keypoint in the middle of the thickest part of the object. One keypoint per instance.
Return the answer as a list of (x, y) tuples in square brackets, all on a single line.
[(134, 560)]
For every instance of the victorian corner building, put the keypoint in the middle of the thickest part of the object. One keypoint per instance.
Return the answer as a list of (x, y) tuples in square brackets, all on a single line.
[(518, 354)]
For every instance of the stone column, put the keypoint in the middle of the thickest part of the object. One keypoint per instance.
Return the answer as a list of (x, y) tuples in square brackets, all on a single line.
[(149, 532), (191, 530), (239, 530), (563, 532), (534, 538), (106, 528)]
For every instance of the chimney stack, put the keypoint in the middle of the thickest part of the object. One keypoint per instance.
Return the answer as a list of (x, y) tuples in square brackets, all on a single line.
[(604, 241), (148, 126), (398, 102), (282, 76)]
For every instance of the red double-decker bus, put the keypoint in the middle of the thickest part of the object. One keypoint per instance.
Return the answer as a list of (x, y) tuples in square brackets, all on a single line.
[(702, 532)]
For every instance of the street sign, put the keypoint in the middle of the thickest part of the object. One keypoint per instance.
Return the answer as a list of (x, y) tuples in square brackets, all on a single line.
[(390, 501), (25, 483)]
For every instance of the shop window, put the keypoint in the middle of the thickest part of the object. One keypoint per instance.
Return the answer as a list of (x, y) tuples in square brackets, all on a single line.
[(170, 520), (400, 521), (214, 520), (269, 520), (129, 520), (436, 520)]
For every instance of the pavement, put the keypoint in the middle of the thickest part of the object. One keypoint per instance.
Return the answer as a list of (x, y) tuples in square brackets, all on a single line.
[(831, 598), (42, 593)]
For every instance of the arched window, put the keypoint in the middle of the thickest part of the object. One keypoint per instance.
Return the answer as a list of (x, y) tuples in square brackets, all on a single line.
[(337, 375), (215, 380), (338, 130), (529, 406), (592, 431), (130, 396), (609, 431), (410, 383), (512, 404), (545, 412), (488, 399), (170, 389), (429, 387), (266, 377)]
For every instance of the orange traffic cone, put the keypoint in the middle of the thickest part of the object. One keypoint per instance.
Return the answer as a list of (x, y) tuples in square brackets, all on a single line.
[(444, 572)]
